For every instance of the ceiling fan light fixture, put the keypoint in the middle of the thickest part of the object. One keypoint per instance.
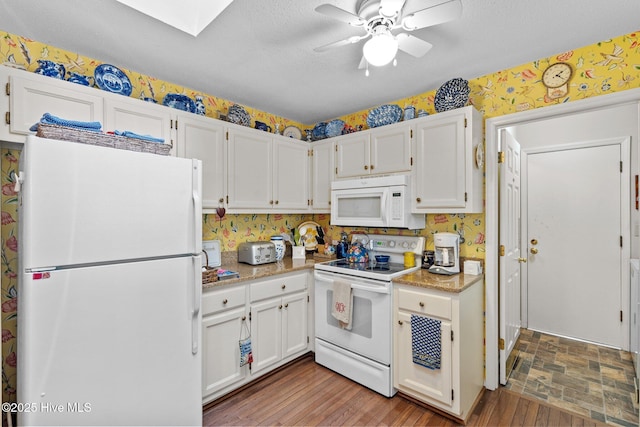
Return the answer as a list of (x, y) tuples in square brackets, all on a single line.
[(381, 49)]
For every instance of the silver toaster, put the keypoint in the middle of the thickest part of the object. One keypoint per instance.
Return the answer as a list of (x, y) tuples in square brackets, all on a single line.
[(255, 253)]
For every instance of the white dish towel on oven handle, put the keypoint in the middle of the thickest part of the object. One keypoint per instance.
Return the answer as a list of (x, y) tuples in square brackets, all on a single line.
[(341, 306)]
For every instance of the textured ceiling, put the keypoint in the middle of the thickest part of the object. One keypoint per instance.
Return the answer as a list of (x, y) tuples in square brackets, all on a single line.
[(260, 52)]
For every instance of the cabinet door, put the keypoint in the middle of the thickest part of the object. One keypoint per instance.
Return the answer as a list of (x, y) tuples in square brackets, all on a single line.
[(220, 351), (391, 150), (290, 175), (321, 176), (294, 323), (266, 333), (122, 113), (33, 95), (430, 383), (249, 169), (440, 163), (352, 155), (203, 138)]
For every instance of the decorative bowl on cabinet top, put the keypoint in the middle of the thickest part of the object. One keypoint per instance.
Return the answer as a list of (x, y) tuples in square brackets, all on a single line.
[(384, 115), (238, 115), (179, 102)]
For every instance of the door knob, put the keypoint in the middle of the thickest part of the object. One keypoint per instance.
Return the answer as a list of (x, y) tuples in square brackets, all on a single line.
[(534, 250), (522, 260)]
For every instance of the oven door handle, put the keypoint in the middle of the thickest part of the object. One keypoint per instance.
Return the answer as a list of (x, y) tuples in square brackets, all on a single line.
[(374, 289), (362, 285)]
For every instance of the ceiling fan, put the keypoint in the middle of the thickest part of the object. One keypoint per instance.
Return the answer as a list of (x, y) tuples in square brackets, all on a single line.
[(379, 18)]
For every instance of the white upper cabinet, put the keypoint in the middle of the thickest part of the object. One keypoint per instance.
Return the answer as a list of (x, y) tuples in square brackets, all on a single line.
[(390, 150), (28, 96), (377, 151), (249, 169), (144, 118), (446, 177), (352, 155), (202, 138), (322, 161), (290, 174)]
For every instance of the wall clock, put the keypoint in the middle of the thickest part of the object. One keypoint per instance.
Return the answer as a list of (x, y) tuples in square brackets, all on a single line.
[(556, 78)]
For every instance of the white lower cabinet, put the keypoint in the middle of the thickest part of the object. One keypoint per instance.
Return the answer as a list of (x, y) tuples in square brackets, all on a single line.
[(223, 312), (455, 386), (276, 312), (278, 320)]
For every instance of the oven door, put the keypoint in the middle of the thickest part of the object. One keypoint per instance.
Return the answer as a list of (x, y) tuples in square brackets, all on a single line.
[(366, 207), (370, 335)]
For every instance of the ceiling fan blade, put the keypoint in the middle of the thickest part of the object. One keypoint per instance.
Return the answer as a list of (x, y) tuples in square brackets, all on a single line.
[(413, 45), (350, 40), (443, 12), (391, 8), (340, 14)]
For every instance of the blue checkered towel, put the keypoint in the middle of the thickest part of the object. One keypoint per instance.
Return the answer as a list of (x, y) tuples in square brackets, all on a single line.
[(50, 119), (130, 134), (426, 341)]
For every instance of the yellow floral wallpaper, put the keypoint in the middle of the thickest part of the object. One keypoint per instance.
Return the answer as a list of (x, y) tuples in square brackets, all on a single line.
[(606, 67)]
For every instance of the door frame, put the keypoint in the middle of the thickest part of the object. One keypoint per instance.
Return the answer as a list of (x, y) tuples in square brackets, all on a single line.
[(493, 126)]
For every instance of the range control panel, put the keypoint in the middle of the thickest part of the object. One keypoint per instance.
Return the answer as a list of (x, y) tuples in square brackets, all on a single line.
[(385, 243)]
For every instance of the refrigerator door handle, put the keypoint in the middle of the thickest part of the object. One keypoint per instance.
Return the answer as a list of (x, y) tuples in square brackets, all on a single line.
[(197, 205), (197, 298)]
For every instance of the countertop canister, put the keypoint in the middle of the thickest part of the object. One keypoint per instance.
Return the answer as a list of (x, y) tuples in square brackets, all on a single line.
[(279, 244)]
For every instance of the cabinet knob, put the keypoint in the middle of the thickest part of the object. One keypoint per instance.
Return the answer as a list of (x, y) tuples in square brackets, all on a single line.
[(224, 301), (276, 202), (400, 322), (366, 167), (534, 250), (244, 318), (421, 304), (286, 305), (283, 286), (221, 200), (280, 307), (371, 167), (418, 199), (270, 202)]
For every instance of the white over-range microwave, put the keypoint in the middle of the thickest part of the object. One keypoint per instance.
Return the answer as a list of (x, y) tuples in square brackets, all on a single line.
[(383, 201)]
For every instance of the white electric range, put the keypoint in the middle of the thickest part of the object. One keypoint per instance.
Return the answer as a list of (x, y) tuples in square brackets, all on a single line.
[(363, 353)]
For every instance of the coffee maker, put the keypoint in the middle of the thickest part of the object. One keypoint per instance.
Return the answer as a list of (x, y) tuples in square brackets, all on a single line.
[(447, 254)]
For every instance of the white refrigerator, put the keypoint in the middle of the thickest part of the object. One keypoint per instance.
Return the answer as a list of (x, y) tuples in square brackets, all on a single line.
[(110, 287)]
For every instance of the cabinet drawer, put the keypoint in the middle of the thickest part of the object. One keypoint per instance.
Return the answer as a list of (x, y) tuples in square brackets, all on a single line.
[(422, 302), (223, 299), (279, 286)]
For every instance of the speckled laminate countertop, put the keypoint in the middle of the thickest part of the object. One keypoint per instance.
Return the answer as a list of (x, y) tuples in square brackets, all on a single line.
[(421, 278), (250, 272)]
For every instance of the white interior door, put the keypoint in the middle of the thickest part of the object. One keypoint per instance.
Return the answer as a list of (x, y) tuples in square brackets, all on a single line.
[(509, 287), (575, 241)]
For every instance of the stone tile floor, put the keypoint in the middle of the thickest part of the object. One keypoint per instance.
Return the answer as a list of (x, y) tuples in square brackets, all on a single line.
[(594, 381)]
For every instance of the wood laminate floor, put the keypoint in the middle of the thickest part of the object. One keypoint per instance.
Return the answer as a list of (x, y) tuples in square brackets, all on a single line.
[(307, 394)]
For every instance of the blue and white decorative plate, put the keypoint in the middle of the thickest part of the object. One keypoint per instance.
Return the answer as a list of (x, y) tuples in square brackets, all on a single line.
[(292, 132), (453, 94), (238, 115), (334, 128), (179, 102), (384, 115), (112, 79)]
